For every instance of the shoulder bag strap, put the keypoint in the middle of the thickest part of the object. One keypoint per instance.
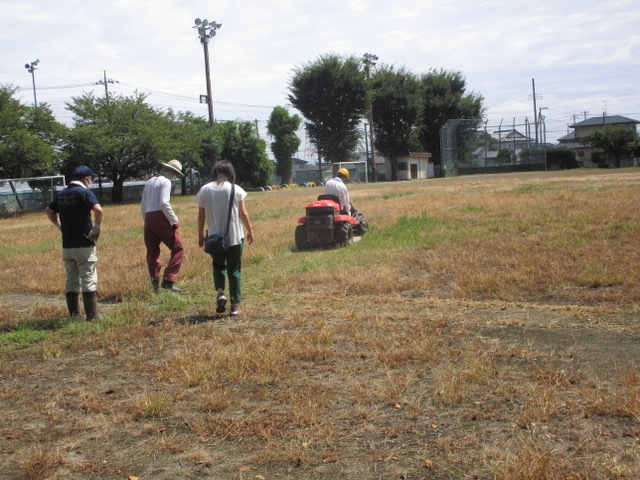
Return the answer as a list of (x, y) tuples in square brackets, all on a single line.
[(231, 195)]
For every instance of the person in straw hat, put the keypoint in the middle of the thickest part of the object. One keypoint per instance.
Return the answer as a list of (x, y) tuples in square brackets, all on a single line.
[(161, 226)]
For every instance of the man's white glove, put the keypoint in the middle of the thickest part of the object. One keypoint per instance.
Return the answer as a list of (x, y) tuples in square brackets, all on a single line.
[(94, 234)]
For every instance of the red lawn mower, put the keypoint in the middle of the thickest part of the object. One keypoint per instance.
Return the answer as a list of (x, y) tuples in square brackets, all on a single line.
[(324, 226)]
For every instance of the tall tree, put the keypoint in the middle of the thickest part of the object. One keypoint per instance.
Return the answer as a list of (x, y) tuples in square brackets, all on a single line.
[(396, 103), (125, 138), (331, 93), (614, 140), (241, 145), (283, 127), (444, 97), (30, 138)]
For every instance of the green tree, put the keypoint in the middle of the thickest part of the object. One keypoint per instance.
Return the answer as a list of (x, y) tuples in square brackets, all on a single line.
[(30, 138), (444, 97), (613, 140), (504, 156), (331, 93), (240, 144), (283, 127), (124, 138), (189, 137), (396, 104), (563, 158)]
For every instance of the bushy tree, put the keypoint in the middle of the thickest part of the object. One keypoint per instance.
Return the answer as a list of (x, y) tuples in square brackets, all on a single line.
[(504, 156), (613, 140), (331, 93), (190, 138), (444, 97), (240, 144), (396, 104), (283, 127), (30, 138), (563, 157), (124, 138)]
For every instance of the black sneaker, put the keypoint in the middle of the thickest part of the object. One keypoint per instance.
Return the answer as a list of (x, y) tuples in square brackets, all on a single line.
[(168, 285), (235, 310), (222, 303), (155, 284)]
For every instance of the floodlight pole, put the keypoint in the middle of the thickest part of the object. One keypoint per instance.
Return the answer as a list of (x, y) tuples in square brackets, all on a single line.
[(370, 59), (206, 32), (31, 67)]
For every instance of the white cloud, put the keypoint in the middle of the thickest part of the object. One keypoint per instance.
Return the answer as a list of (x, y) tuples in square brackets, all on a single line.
[(583, 54)]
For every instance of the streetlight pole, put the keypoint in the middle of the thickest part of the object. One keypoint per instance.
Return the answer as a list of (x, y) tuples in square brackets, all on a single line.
[(369, 59), (31, 67), (206, 32)]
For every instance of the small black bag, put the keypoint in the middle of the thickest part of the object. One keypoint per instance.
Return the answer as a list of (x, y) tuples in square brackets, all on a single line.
[(218, 243)]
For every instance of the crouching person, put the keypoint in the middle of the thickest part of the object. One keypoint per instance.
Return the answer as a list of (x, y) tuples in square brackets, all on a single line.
[(71, 211)]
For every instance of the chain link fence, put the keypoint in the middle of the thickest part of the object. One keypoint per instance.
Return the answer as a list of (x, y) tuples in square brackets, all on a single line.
[(469, 147)]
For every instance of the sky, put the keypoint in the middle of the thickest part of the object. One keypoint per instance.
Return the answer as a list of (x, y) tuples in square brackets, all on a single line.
[(582, 57)]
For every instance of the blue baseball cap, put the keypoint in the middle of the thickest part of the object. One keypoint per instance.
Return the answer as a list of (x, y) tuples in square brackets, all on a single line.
[(83, 171)]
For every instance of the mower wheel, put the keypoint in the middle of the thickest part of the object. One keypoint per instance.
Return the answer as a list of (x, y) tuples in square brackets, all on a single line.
[(301, 237), (344, 234)]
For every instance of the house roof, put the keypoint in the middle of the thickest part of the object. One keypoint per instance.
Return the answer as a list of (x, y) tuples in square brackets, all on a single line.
[(419, 154), (604, 120), (509, 134)]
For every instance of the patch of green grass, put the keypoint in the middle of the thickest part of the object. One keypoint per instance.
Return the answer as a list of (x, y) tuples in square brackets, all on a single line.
[(12, 250), (420, 231), (384, 196), (470, 209), (312, 261), (271, 214), (625, 226), (23, 336), (529, 189), (169, 302), (387, 196), (125, 235)]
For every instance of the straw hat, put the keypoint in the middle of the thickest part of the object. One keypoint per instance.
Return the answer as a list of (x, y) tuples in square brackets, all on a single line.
[(174, 165)]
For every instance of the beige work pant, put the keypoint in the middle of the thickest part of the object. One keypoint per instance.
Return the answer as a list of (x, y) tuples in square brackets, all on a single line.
[(80, 264)]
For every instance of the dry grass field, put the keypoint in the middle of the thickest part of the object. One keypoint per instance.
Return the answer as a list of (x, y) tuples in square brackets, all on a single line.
[(485, 328)]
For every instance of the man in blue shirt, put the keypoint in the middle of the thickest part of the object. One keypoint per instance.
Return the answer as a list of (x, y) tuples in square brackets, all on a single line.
[(71, 211)]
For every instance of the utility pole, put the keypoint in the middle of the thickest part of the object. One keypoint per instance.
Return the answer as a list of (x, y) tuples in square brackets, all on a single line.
[(105, 82), (535, 110), (541, 123), (31, 67), (206, 32), (366, 143), (369, 59)]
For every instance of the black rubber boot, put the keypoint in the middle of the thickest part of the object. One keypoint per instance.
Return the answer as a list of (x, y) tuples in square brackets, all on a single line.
[(73, 303), (90, 300)]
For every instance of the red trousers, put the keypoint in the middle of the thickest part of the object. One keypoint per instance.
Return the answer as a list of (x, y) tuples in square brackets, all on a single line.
[(157, 229)]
